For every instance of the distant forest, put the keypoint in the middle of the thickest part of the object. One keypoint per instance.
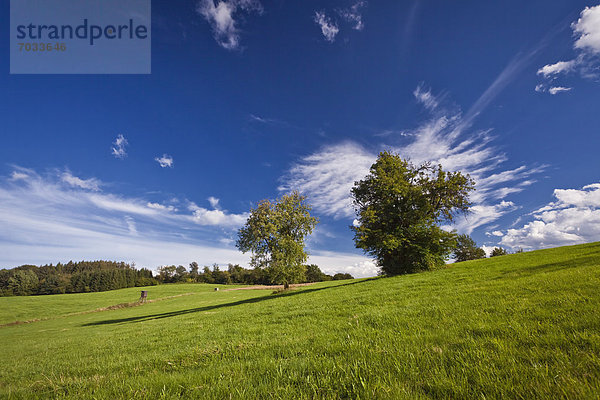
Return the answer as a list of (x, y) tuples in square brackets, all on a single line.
[(236, 274), (72, 277), (99, 276)]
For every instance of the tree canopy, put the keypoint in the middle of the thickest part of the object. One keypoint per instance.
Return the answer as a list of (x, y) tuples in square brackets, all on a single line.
[(466, 249), (399, 207), (498, 251), (275, 233)]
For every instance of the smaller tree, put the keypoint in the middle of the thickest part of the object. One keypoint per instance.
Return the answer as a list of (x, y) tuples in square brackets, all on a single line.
[(498, 251), (166, 273), (342, 276), (314, 273), (274, 233), (466, 249), (194, 271)]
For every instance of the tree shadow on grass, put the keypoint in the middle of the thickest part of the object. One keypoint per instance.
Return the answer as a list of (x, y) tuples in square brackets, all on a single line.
[(149, 317)]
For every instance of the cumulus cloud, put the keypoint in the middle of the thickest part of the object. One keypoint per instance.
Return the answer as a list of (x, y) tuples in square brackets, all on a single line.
[(354, 15), (164, 161), (557, 68), (327, 175), (118, 149), (204, 216), (223, 18), (573, 218), (89, 184), (586, 30), (329, 29)]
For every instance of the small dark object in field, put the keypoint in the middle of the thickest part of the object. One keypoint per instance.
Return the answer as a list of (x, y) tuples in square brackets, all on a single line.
[(143, 296), (216, 289)]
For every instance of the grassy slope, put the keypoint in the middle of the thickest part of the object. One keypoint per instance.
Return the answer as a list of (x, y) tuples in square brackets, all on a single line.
[(520, 326)]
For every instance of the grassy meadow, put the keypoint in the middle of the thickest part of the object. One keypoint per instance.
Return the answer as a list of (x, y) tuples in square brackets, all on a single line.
[(522, 326)]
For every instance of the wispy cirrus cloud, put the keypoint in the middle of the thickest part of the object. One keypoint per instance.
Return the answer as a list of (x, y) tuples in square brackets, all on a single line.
[(90, 184), (118, 149), (328, 175), (223, 17), (586, 30), (425, 97)]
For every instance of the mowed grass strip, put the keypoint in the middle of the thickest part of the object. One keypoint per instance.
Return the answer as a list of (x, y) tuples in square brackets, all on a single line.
[(519, 326)]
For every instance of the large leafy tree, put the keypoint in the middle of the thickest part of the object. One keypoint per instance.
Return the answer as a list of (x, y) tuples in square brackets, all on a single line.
[(466, 249), (275, 233), (400, 206)]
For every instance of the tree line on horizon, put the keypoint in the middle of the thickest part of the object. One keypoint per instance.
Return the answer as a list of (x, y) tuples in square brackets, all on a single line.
[(100, 276), (72, 277), (236, 274)]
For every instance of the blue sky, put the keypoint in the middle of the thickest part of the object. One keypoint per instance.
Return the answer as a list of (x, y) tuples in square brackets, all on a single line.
[(248, 99)]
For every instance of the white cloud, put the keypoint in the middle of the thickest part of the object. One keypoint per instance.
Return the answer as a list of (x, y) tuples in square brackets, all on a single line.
[(573, 218), (586, 30), (328, 175), (89, 184), (165, 161), (482, 214), (261, 119), (328, 28), (353, 15), (204, 216), (556, 68), (131, 225), (222, 18), (488, 249), (332, 262), (15, 176), (111, 202), (425, 97), (161, 207), (214, 202), (118, 149), (497, 233), (558, 89), (44, 221)]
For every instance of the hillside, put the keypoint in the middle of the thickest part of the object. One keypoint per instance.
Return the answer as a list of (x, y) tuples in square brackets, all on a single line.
[(518, 326)]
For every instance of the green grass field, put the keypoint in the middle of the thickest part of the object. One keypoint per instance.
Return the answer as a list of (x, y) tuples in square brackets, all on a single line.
[(523, 326)]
